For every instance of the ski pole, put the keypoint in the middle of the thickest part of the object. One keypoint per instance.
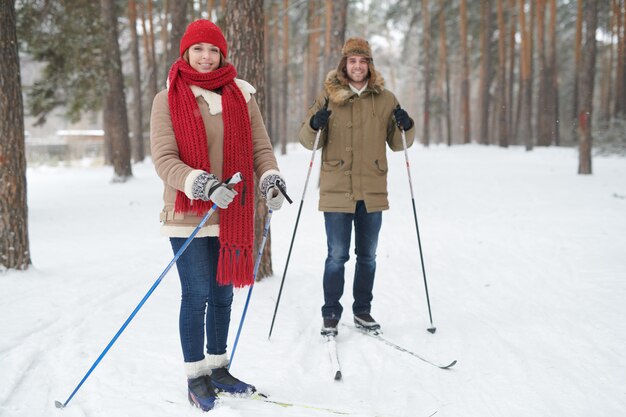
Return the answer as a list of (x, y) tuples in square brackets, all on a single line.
[(293, 237), (432, 328), (256, 270), (232, 181)]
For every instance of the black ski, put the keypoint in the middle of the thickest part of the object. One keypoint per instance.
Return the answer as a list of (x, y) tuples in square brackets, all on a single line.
[(378, 336)]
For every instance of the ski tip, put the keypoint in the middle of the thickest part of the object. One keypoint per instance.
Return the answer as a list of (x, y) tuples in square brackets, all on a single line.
[(449, 366), (59, 404), (338, 376), (432, 330)]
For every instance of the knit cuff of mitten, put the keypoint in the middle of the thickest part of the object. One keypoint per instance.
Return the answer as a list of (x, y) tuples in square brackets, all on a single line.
[(268, 180), (201, 185)]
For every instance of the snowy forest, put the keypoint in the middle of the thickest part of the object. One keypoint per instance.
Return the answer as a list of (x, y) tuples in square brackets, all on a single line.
[(493, 72), (516, 174)]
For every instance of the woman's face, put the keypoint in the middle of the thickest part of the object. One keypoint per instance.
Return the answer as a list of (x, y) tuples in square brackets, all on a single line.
[(204, 57)]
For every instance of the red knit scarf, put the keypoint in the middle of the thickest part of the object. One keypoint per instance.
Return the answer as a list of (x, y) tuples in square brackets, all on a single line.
[(235, 265)]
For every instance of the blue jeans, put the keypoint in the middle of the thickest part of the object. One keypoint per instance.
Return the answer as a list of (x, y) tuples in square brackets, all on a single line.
[(204, 305), (338, 234)]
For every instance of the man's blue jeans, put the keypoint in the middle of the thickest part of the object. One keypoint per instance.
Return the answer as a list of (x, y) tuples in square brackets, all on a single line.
[(338, 234), (203, 300)]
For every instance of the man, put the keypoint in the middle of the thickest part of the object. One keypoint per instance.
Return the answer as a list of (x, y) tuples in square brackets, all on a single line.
[(356, 116)]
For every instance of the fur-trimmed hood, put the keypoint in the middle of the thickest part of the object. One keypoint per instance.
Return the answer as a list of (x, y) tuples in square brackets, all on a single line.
[(339, 92)]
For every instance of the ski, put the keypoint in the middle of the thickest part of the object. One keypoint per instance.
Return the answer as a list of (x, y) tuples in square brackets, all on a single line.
[(378, 336), (295, 405), (331, 344), (264, 398)]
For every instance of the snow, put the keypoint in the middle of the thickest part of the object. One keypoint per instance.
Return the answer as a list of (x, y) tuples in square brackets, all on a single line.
[(526, 271)]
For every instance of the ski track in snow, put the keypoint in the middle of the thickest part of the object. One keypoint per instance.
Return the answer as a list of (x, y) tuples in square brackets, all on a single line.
[(526, 274)]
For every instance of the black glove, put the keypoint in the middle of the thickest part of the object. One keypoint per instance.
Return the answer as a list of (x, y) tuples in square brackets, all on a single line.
[(320, 119), (403, 120)]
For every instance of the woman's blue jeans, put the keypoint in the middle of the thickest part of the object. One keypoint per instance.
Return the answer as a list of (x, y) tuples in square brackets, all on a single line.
[(205, 305), (338, 234)]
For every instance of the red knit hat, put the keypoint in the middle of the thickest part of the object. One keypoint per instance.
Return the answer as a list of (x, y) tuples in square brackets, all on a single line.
[(203, 30)]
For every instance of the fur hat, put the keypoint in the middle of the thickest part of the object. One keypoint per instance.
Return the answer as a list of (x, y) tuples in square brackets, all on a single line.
[(361, 47), (203, 30), (357, 46)]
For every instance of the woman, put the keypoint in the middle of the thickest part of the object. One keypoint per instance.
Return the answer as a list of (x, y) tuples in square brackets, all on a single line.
[(206, 127)]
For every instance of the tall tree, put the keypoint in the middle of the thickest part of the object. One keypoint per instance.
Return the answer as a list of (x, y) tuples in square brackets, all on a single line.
[(426, 55), (115, 118), (544, 138), (269, 99), (620, 85), (503, 139), (485, 70), (465, 80), (587, 77), (444, 68), (525, 109), (284, 88), (14, 244), (510, 121), (313, 49), (178, 15), (577, 65), (244, 32), (153, 67), (335, 32), (137, 129), (553, 80)]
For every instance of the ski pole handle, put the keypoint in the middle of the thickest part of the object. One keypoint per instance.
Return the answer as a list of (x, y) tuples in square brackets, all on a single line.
[(235, 179), (283, 190)]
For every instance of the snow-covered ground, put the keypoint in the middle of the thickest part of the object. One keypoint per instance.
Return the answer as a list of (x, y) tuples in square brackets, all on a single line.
[(526, 268)]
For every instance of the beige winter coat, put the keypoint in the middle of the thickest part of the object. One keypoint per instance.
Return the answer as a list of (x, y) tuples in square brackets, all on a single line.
[(354, 160), (176, 175)]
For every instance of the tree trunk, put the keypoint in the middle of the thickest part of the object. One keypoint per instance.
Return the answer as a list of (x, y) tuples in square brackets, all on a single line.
[(165, 34), (510, 121), (275, 92), (115, 117), (577, 63), (338, 22), (314, 24), (525, 128), (178, 16), (137, 144), (153, 70), (285, 81), (149, 55), (587, 75), (552, 77), (244, 31), (485, 70), (443, 50), (465, 81), (269, 67), (14, 244), (543, 123), (503, 140), (426, 54), (606, 95), (620, 77)]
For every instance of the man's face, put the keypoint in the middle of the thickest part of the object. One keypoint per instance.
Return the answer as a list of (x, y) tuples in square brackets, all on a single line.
[(357, 68)]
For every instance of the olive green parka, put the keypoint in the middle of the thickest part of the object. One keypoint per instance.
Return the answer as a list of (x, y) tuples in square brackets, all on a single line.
[(354, 159)]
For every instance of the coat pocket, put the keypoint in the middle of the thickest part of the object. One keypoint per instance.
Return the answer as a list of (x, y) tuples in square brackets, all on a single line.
[(332, 165), (381, 166)]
